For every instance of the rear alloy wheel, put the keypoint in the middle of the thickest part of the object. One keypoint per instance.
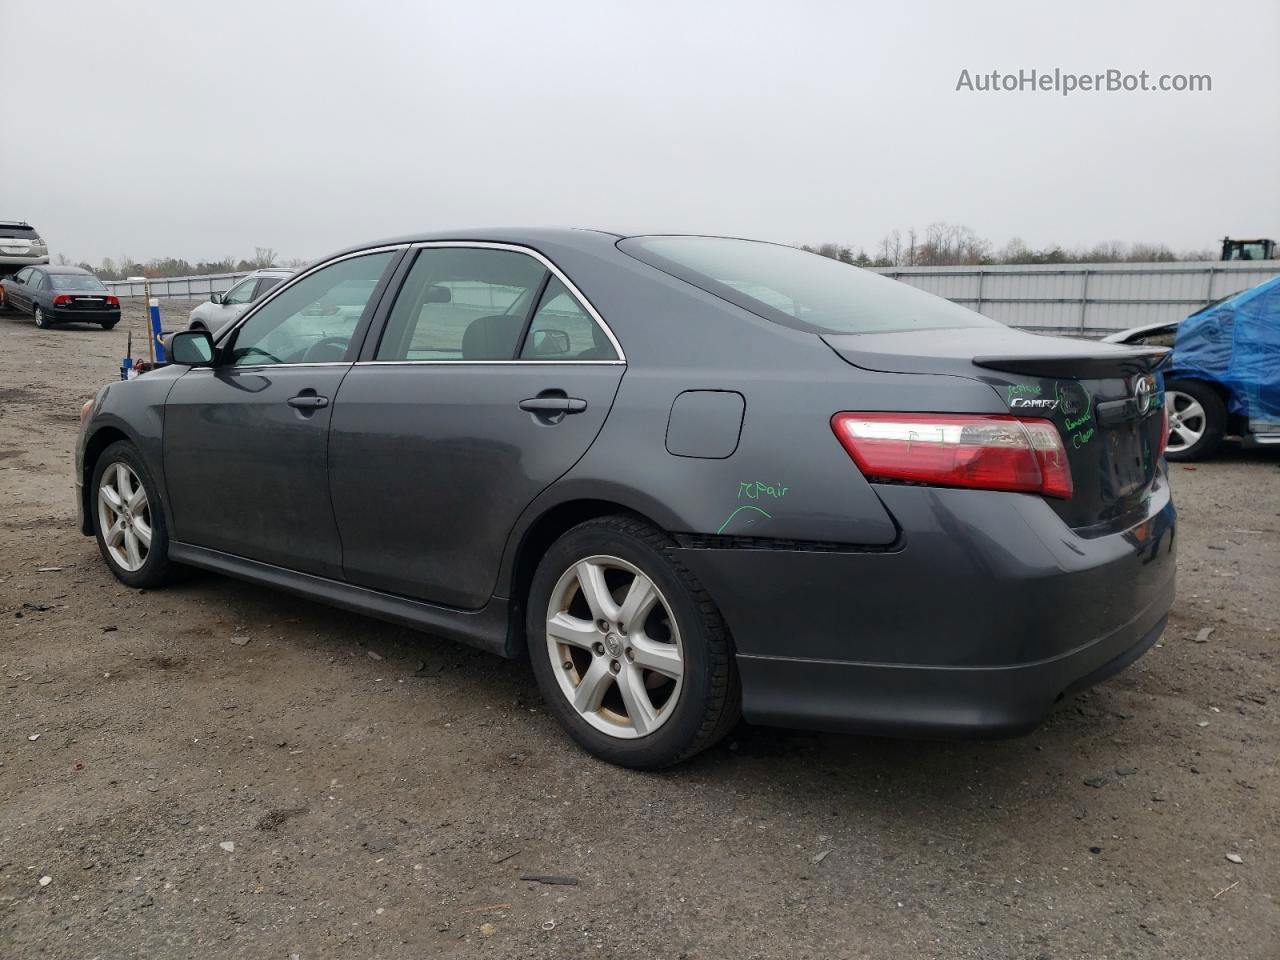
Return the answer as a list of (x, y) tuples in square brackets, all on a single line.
[(629, 652), (1197, 419), (38, 316), (128, 521), (621, 665)]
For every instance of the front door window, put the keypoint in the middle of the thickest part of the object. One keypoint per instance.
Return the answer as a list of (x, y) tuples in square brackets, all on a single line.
[(313, 320)]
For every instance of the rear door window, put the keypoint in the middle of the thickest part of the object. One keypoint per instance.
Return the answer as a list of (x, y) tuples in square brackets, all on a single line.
[(265, 284), (462, 303), (563, 330)]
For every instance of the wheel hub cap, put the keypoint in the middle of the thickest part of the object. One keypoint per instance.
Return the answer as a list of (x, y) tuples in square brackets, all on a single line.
[(615, 647), (124, 517)]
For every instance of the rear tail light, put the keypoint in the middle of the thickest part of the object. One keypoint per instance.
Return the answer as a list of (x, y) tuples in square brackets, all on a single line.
[(958, 450), (61, 300), (1164, 431), (113, 301)]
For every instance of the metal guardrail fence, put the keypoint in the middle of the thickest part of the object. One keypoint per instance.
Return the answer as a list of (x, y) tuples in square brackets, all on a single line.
[(1089, 299), (189, 288), (1086, 299)]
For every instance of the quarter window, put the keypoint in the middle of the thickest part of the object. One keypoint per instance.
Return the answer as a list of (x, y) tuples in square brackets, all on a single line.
[(462, 303), (563, 330), (313, 320)]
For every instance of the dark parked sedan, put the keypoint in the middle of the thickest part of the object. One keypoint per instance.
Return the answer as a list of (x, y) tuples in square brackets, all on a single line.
[(692, 477), (60, 295)]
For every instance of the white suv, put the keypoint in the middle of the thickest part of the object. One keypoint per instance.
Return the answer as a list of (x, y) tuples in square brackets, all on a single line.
[(223, 308), (20, 246)]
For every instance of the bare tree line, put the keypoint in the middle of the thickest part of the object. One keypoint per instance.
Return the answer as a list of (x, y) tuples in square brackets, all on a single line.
[(953, 244), (940, 244), (122, 267)]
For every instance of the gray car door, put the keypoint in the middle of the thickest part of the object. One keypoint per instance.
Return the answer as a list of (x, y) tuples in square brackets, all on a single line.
[(246, 441), (490, 379), (19, 294)]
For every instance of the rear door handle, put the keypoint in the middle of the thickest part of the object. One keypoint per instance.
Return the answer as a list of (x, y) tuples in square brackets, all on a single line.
[(550, 405), (308, 401)]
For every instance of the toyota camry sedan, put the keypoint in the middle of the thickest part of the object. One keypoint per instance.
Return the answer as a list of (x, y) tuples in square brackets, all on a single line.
[(692, 478)]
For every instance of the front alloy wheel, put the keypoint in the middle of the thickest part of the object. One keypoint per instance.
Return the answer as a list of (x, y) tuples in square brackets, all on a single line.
[(124, 516), (618, 662), (127, 518)]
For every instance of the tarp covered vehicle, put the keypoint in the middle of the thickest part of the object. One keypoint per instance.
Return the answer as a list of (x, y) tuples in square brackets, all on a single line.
[(1225, 374)]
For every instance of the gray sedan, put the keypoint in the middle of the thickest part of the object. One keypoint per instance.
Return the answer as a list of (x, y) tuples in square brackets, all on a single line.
[(692, 478)]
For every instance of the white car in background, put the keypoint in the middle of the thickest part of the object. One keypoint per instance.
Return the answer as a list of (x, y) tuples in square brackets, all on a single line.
[(20, 246), (224, 308)]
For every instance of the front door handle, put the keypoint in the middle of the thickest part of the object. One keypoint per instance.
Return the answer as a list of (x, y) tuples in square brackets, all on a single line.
[(308, 401), (552, 405)]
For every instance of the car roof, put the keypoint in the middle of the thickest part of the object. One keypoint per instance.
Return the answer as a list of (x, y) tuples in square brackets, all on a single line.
[(56, 268)]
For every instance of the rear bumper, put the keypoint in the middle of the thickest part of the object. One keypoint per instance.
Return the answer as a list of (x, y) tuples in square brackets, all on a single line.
[(987, 611), (903, 700), (65, 315)]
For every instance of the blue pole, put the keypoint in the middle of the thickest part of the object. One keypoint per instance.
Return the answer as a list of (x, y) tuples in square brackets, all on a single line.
[(155, 329)]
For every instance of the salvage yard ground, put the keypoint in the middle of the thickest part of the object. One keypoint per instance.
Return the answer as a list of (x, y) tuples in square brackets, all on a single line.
[(218, 770)]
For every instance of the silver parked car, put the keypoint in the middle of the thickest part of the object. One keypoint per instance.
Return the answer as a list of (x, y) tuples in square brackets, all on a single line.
[(20, 246), (224, 308)]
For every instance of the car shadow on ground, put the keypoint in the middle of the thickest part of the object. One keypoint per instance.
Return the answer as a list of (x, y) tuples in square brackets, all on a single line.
[(875, 774)]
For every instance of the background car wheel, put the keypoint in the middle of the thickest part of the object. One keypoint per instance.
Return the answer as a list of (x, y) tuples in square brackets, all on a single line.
[(127, 519), (109, 324), (1197, 419), (629, 651), (38, 316)]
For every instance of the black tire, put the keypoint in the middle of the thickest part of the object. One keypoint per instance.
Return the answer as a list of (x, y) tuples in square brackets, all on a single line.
[(37, 314), (156, 569), (1214, 421), (709, 701), (109, 324)]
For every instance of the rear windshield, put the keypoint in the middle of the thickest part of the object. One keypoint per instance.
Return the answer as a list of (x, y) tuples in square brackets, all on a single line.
[(798, 289), (75, 281), (20, 230)]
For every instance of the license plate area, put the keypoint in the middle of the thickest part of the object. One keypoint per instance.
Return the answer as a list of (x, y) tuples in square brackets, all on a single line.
[(1125, 469)]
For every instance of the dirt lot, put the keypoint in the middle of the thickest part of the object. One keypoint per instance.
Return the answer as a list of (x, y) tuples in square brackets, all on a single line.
[(385, 792)]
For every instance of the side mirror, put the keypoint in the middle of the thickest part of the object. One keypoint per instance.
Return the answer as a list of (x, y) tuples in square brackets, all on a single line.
[(215, 298), (191, 348), (437, 294), (550, 343)]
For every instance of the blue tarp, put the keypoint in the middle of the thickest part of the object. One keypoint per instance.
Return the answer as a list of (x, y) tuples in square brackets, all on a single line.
[(1237, 343)]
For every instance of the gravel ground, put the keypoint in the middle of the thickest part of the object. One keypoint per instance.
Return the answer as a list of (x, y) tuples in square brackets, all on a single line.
[(218, 770)]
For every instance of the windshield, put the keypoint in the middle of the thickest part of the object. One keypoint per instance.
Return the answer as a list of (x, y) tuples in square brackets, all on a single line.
[(798, 289), (76, 281)]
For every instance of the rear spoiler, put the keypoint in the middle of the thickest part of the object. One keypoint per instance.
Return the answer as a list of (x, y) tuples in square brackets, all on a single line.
[(1080, 366)]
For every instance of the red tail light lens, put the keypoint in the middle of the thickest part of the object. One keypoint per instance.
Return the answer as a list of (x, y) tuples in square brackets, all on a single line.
[(1164, 431), (958, 450), (113, 301), (61, 300)]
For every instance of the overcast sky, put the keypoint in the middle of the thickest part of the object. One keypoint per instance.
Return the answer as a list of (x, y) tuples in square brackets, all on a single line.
[(206, 129)]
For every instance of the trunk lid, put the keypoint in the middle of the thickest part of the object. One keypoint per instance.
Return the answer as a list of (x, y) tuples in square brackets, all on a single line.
[(1105, 399)]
